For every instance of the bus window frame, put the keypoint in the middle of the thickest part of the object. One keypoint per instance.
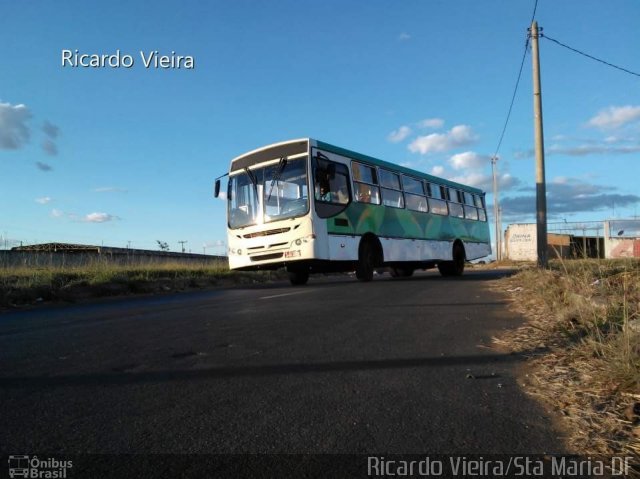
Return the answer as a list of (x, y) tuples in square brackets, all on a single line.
[(327, 209), (400, 200), (412, 194), (357, 183)]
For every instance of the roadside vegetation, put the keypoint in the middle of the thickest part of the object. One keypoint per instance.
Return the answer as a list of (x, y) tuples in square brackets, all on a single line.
[(583, 340), (25, 285)]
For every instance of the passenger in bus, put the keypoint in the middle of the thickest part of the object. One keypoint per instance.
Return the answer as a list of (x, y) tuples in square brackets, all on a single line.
[(322, 192), (342, 195), (325, 194)]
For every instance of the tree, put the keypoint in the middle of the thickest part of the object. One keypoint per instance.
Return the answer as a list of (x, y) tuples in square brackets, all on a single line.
[(163, 245)]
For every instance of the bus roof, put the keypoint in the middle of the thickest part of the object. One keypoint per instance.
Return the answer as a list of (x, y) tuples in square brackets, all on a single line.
[(392, 166), (285, 148)]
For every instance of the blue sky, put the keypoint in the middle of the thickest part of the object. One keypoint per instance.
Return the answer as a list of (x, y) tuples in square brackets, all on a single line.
[(117, 155)]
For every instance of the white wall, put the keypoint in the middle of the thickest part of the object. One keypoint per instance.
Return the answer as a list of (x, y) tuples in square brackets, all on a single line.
[(521, 242)]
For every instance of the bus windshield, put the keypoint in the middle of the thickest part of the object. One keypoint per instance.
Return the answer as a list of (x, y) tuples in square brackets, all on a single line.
[(270, 193)]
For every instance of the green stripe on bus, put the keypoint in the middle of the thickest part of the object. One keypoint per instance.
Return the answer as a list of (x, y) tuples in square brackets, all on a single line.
[(401, 223)]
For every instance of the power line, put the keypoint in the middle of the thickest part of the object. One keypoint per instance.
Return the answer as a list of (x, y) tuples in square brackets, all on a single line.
[(590, 56), (533, 15), (513, 97), (515, 89)]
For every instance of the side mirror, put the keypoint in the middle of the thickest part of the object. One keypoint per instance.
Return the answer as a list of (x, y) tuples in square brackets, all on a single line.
[(216, 189)]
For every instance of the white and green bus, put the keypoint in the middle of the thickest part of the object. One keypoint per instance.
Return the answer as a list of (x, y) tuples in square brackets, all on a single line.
[(312, 207)]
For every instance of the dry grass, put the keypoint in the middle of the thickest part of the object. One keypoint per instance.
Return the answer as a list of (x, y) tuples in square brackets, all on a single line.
[(583, 338), (23, 285)]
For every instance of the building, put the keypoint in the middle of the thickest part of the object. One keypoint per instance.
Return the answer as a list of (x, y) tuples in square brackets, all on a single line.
[(608, 239)]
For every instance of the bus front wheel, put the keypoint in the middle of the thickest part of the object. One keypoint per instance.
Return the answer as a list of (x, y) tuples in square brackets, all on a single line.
[(455, 267), (298, 277)]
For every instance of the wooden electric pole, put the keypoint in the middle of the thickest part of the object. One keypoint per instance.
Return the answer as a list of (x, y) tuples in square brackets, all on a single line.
[(541, 188)]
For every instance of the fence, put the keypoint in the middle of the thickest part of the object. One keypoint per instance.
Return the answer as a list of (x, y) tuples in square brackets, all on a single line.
[(43, 259)]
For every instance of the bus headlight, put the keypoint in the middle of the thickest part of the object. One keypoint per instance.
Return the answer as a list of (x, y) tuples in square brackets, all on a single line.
[(304, 239)]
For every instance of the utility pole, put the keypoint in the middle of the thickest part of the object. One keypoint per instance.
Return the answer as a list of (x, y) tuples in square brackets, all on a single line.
[(500, 245), (182, 244), (541, 188), (494, 160)]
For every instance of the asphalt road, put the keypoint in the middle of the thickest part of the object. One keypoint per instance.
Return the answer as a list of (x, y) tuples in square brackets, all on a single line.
[(336, 366)]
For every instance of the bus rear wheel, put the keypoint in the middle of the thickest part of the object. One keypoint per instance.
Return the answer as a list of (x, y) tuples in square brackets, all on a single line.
[(455, 267), (366, 261), (298, 277)]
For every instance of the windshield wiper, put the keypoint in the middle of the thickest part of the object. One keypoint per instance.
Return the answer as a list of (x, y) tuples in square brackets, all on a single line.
[(252, 177), (276, 176)]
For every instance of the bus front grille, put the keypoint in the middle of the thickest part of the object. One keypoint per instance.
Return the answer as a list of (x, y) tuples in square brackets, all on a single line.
[(264, 257)]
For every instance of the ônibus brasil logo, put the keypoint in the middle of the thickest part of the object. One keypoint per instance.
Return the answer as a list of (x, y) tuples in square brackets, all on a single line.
[(32, 467)]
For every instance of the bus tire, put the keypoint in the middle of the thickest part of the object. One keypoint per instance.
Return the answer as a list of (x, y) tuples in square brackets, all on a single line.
[(455, 267), (299, 277), (366, 260)]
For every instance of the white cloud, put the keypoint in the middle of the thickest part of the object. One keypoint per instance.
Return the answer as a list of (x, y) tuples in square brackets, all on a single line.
[(14, 132), (468, 160), (432, 123), (485, 181), (57, 213), (99, 218), (615, 116), (43, 200), (458, 136), (400, 134), (560, 180), (404, 36), (437, 170)]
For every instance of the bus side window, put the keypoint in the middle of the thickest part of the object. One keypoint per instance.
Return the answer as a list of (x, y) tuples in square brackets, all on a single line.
[(455, 207), (468, 199), (365, 183), (332, 183), (414, 194), (391, 189)]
